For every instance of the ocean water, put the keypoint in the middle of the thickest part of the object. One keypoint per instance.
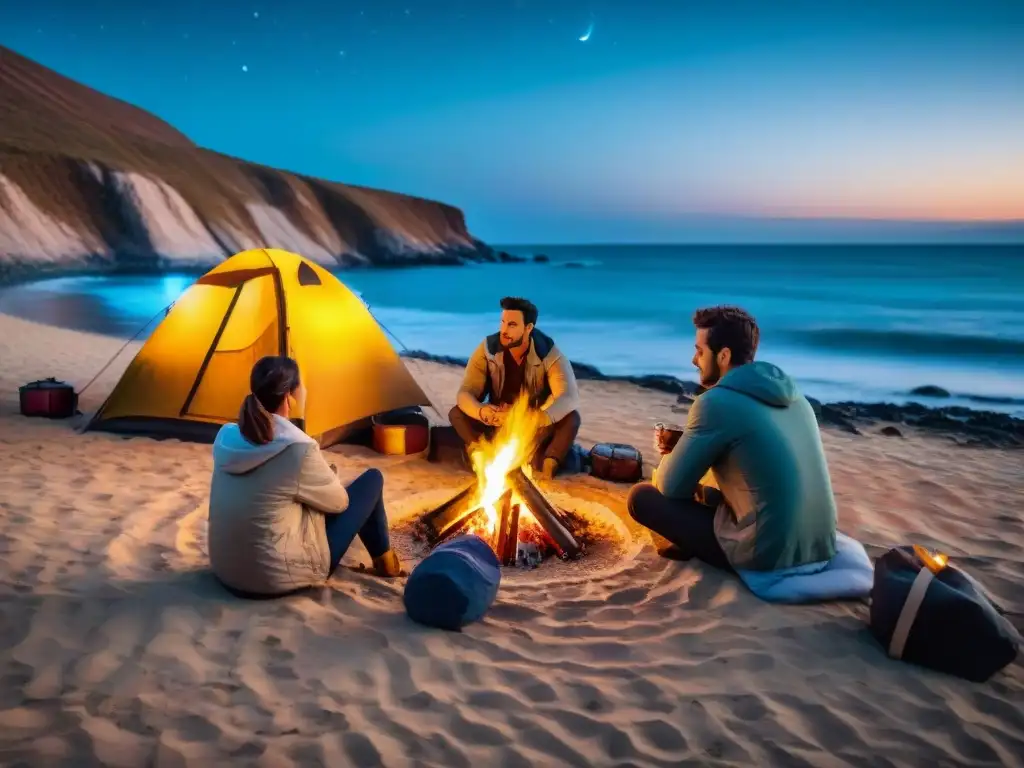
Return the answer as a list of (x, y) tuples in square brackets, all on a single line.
[(848, 322)]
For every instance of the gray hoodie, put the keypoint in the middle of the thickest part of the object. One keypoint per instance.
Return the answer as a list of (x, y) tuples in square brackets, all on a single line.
[(267, 507)]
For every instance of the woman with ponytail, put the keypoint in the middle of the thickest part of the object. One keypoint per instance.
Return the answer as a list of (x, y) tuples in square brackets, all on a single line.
[(280, 519)]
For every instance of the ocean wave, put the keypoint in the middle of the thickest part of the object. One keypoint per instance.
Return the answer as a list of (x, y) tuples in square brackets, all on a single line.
[(914, 343), (577, 264)]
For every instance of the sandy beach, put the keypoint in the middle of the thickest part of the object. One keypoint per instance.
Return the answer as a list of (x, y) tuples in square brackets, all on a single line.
[(118, 648)]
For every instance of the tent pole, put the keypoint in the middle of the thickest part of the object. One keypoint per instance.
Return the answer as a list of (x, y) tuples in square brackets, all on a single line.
[(211, 351)]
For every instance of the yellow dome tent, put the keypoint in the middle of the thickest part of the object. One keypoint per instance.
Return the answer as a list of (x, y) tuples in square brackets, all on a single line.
[(191, 375)]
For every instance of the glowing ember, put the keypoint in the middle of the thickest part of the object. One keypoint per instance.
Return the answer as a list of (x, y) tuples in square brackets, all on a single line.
[(510, 448)]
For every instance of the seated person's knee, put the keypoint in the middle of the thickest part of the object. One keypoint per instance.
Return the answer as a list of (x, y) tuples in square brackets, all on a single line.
[(640, 495)]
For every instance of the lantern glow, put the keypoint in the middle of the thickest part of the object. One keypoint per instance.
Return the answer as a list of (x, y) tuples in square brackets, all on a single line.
[(933, 563)]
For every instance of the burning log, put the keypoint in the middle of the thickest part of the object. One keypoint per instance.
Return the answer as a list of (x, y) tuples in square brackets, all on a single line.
[(437, 523), (508, 532), (548, 517), (460, 525)]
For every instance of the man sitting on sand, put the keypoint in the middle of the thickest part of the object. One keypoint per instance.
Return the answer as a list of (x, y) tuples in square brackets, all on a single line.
[(519, 357), (758, 435)]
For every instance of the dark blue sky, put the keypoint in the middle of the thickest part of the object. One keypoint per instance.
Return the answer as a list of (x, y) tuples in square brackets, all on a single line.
[(671, 120)]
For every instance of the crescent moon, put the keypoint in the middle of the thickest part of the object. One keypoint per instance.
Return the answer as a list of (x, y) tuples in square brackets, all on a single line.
[(586, 35)]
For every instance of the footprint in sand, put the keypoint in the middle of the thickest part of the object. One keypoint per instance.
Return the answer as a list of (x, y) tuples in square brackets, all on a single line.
[(539, 692), (663, 736), (589, 697), (194, 728), (418, 702), (360, 749)]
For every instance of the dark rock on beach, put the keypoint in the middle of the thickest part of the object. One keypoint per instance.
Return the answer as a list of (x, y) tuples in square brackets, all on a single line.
[(541, 258), (983, 427), (670, 384), (830, 416), (509, 258), (585, 371), (929, 390), (659, 382), (415, 354)]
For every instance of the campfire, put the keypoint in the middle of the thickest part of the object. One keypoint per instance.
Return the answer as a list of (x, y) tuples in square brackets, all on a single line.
[(503, 505)]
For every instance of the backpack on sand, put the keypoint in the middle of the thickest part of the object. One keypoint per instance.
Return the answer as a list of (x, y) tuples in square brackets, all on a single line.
[(928, 612)]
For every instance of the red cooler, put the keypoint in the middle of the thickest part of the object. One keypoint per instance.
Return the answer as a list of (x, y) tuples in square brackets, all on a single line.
[(48, 398)]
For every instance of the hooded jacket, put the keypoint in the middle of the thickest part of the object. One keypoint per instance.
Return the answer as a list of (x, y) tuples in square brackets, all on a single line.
[(759, 437), (267, 507), (548, 378)]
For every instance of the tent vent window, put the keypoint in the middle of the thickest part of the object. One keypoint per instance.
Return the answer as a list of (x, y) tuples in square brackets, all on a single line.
[(307, 276)]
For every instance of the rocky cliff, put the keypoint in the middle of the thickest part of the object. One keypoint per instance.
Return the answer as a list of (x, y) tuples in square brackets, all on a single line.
[(92, 183)]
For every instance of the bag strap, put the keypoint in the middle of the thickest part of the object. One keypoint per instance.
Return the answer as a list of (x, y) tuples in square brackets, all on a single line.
[(913, 603)]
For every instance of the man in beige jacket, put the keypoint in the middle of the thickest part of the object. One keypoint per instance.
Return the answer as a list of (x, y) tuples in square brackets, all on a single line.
[(519, 358)]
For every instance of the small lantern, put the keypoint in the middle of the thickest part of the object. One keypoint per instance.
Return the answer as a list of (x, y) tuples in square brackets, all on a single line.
[(933, 562)]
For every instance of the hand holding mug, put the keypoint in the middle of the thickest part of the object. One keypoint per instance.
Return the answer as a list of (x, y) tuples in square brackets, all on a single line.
[(665, 437)]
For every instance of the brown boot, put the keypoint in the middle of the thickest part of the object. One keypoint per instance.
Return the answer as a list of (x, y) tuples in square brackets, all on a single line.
[(388, 565), (548, 468)]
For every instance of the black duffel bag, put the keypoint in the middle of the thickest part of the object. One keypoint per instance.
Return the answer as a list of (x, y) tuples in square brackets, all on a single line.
[(927, 612)]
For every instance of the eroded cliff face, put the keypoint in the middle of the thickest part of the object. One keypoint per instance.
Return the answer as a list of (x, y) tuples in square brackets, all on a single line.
[(92, 183)]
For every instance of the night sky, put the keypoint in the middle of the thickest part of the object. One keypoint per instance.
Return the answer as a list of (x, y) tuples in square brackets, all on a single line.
[(674, 117)]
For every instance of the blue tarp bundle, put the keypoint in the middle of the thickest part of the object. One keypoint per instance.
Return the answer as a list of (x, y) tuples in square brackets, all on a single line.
[(454, 585)]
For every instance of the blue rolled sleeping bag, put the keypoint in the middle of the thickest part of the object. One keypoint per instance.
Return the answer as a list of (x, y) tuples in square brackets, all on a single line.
[(454, 585)]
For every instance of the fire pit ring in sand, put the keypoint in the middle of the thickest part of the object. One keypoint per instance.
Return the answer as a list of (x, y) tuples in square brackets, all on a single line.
[(521, 525), (503, 505), (609, 544)]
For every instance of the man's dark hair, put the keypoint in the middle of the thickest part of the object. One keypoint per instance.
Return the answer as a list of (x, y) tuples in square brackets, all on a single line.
[(730, 327), (523, 305)]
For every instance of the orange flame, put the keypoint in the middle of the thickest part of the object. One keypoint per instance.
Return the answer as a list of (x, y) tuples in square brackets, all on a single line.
[(511, 447)]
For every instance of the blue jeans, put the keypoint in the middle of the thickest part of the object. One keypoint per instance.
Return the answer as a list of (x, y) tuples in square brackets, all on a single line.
[(365, 517)]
